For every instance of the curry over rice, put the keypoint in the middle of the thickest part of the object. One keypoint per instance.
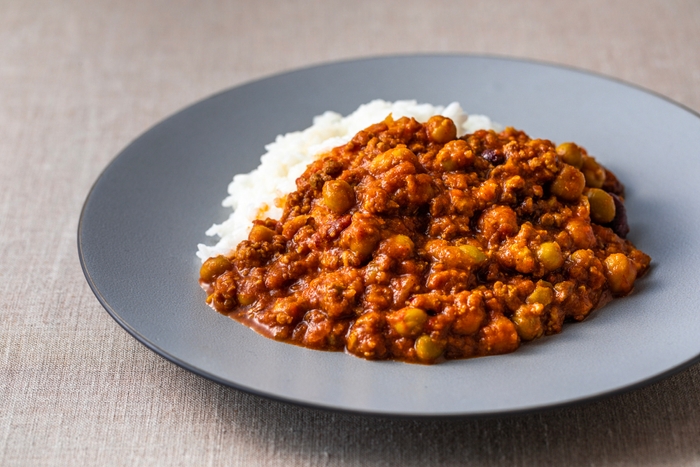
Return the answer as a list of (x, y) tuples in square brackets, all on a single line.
[(409, 243)]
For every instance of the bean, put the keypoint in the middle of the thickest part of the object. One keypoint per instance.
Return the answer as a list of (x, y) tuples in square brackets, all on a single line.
[(569, 184), (528, 322), (571, 154), (392, 157), (408, 321), (362, 236), (441, 129), (602, 205), (543, 294), (593, 172), (620, 273), (549, 254), (338, 195), (427, 349), (612, 185), (214, 267), (363, 245), (619, 223), (493, 156)]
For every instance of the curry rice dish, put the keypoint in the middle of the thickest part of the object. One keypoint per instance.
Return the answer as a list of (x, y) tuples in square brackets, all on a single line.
[(410, 243)]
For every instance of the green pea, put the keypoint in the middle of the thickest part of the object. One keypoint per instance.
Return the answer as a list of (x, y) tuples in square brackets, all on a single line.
[(527, 322), (427, 349), (549, 254), (542, 294), (571, 154), (602, 205), (410, 321)]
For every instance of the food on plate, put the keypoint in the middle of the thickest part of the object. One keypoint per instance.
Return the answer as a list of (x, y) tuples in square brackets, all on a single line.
[(421, 239)]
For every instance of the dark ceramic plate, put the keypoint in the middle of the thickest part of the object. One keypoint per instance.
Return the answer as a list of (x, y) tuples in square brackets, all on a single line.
[(146, 213)]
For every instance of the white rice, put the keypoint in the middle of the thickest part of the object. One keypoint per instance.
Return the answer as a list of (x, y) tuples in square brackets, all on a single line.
[(256, 194)]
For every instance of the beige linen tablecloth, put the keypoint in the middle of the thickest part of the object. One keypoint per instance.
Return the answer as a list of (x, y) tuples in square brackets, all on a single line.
[(80, 79)]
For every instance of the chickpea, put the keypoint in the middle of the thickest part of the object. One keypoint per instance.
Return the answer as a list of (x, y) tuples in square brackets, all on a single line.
[(392, 157), (571, 154), (214, 267), (403, 241), (260, 233), (338, 195), (427, 349), (581, 256), (602, 205), (620, 273), (569, 184), (441, 129), (362, 236), (549, 254), (399, 247), (408, 321), (593, 172), (528, 322)]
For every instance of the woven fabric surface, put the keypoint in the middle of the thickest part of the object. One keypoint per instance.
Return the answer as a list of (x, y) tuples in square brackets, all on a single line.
[(79, 80)]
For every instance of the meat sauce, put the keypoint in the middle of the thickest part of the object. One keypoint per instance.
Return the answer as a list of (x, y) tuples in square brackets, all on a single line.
[(408, 243)]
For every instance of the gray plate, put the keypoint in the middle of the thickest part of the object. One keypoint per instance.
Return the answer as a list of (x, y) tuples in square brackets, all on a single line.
[(146, 213)]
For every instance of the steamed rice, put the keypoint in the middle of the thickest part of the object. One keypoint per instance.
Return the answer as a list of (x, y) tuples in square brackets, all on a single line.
[(256, 195)]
